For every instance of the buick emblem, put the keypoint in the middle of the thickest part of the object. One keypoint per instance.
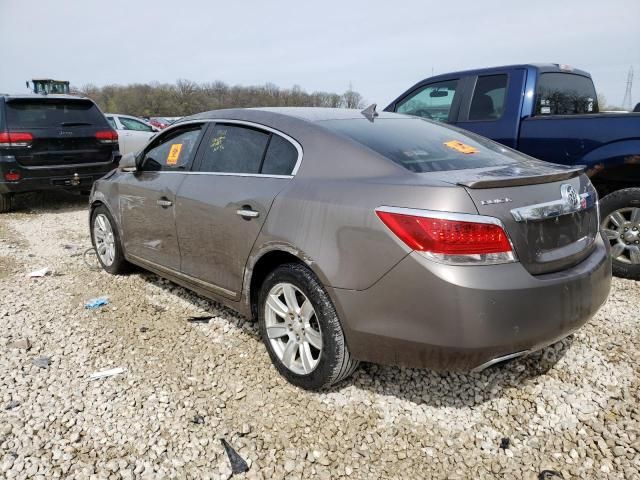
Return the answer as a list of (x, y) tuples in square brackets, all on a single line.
[(570, 196)]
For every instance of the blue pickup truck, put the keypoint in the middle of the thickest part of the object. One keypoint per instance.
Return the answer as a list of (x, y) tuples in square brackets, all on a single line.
[(550, 112)]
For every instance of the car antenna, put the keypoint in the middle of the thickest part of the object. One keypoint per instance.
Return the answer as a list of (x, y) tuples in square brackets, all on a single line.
[(370, 112)]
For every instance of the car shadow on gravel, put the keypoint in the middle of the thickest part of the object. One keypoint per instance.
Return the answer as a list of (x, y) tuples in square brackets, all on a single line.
[(456, 389), (49, 201)]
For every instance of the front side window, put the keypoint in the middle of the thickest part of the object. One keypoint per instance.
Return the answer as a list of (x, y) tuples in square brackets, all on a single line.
[(565, 94), (173, 151), (488, 97), (433, 101), (234, 149), (131, 124)]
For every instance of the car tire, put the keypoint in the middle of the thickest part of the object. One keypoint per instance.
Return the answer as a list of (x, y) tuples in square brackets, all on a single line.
[(324, 366), (5, 202), (620, 213), (105, 239)]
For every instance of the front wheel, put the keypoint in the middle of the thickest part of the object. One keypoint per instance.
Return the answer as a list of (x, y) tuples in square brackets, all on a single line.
[(301, 330), (106, 241), (620, 212)]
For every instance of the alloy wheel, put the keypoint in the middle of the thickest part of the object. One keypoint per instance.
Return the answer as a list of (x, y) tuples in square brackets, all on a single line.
[(104, 239), (622, 229), (293, 328)]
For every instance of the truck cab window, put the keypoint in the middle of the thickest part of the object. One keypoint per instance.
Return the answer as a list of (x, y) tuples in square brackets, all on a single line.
[(488, 98), (565, 94), (433, 101)]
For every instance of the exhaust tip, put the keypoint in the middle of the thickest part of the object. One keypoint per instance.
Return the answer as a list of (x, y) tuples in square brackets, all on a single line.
[(502, 359)]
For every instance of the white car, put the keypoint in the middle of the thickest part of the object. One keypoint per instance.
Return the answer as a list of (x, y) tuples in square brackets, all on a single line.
[(133, 133)]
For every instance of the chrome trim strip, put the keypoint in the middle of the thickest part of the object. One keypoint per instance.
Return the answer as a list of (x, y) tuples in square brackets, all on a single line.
[(219, 174), (552, 209), (291, 140), (183, 276), (503, 358)]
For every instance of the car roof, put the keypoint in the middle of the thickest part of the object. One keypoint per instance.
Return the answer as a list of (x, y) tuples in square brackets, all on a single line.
[(308, 114), (34, 96), (541, 67)]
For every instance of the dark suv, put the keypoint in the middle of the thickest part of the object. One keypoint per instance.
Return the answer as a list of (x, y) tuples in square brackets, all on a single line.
[(52, 142)]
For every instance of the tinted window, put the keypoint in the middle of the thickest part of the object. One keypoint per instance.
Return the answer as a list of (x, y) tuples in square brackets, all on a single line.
[(233, 149), (112, 123), (131, 124), (565, 94), (422, 146), (281, 157), (51, 113), (488, 98), (433, 101), (174, 151)]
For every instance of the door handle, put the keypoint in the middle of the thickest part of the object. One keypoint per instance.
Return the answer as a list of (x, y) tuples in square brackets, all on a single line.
[(248, 214), (164, 202)]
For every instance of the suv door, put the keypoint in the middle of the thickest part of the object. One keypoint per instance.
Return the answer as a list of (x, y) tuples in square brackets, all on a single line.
[(147, 197), (222, 205)]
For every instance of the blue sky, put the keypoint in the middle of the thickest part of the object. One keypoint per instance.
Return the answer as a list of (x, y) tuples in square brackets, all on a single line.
[(380, 47)]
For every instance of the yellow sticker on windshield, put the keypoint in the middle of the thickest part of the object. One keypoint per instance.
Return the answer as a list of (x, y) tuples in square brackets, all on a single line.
[(174, 154), (461, 147)]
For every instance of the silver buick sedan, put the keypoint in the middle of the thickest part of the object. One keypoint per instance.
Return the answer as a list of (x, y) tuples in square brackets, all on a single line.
[(356, 236)]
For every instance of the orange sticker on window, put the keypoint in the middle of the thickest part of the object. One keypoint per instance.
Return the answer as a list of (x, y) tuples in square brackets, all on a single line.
[(461, 147), (174, 154)]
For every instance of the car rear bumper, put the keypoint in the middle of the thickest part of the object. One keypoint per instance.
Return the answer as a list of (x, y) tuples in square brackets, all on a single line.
[(424, 314), (33, 179)]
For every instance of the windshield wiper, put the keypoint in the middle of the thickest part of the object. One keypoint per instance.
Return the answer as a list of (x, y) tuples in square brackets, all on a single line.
[(74, 124)]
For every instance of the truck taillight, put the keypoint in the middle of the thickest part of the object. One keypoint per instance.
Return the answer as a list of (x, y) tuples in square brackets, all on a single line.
[(453, 238), (15, 139), (107, 136)]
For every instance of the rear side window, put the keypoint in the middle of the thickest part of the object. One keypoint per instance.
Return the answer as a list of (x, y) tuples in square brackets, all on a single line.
[(131, 124), (281, 157), (422, 146), (565, 94), (43, 113), (234, 149), (112, 123), (433, 101), (173, 151), (488, 98)]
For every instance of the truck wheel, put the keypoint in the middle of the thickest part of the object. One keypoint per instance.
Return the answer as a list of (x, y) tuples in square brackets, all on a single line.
[(5, 202), (620, 213)]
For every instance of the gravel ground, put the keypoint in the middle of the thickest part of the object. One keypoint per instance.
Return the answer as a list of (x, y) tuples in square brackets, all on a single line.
[(572, 408)]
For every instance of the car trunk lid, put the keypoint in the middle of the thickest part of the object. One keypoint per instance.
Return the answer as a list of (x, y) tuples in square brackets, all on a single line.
[(63, 132), (549, 212)]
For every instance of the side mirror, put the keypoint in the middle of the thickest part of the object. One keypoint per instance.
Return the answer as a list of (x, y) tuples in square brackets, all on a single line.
[(128, 163)]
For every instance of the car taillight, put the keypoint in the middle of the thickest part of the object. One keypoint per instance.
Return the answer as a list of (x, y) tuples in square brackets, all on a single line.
[(12, 176), (15, 139), (107, 136), (453, 238)]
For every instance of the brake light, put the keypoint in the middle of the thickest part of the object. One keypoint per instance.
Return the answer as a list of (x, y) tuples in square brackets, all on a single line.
[(107, 136), (15, 139), (450, 237), (12, 176)]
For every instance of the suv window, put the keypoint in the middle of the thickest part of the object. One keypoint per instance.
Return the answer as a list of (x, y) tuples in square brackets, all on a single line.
[(281, 157), (172, 151), (565, 94), (488, 97), (233, 149), (421, 146), (433, 101), (131, 124), (44, 113)]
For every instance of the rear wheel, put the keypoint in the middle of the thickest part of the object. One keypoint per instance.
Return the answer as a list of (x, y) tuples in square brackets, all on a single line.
[(620, 212), (301, 330), (106, 241), (5, 202)]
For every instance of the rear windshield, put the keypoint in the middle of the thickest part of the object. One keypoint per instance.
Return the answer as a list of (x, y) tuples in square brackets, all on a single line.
[(423, 146), (565, 94), (50, 113)]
